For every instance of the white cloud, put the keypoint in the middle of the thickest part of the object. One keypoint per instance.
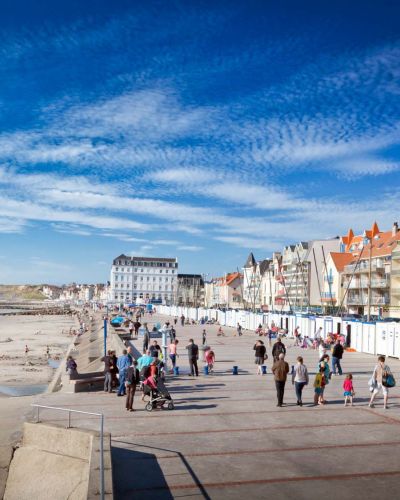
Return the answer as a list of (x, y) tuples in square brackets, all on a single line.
[(190, 248)]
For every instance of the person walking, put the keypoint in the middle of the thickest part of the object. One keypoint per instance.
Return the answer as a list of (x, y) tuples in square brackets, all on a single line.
[(321, 348), (155, 349), (348, 389), (131, 380), (182, 320), (172, 348), (136, 326), (204, 337), (319, 385), (300, 379), (239, 329), (130, 328), (146, 338), (193, 353), (337, 354), (210, 360), (280, 369), (175, 320), (123, 363), (382, 379), (278, 348), (108, 365), (261, 355), (114, 370), (296, 335), (324, 364)]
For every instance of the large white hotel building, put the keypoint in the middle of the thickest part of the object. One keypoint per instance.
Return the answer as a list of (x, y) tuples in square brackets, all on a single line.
[(143, 279)]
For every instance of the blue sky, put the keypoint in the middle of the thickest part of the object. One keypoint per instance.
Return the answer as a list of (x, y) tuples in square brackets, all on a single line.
[(194, 129)]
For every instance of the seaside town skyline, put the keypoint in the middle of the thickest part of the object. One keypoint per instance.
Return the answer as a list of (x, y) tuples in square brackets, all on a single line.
[(126, 137)]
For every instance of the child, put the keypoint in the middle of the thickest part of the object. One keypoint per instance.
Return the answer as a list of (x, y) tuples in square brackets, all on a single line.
[(210, 358), (348, 389), (220, 332), (319, 385)]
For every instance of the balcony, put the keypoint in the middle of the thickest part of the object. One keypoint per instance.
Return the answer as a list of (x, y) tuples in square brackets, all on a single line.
[(357, 300), (328, 296), (363, 266)]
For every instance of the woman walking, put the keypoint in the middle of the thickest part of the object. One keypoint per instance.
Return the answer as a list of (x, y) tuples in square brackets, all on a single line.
[(261, 355), (324, 364), (300, 379), (382, 379)]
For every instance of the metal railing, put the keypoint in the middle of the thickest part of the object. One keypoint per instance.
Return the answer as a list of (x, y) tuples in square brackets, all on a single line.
[(101, 415)]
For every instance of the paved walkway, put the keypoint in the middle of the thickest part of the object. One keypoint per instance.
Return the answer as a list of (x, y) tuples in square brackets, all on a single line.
[(227, 439)]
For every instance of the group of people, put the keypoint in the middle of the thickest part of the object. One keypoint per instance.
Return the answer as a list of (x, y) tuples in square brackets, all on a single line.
[(381, 380)]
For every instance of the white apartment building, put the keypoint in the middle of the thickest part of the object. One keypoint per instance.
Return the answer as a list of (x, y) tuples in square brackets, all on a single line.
[(143, 279)]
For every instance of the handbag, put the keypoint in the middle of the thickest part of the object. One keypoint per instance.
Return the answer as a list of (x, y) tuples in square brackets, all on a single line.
[(388, 380)]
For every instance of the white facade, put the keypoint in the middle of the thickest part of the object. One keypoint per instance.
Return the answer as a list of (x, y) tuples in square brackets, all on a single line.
[(143, 279)]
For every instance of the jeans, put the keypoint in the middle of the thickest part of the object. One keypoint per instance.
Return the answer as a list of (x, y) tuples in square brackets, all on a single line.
[(193, 366), (173, 359), (107, 382), (130, 393), (122, 375), (299, 389), (336, 363), (280, 390)]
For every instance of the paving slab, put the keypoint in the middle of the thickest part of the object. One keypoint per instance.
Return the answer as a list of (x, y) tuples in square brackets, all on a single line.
[(227, 439)]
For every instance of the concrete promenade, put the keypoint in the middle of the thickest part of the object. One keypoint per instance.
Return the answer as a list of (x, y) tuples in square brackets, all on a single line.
[(227, 439)]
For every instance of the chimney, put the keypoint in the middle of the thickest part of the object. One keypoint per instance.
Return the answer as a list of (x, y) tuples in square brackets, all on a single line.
[(395, 228)]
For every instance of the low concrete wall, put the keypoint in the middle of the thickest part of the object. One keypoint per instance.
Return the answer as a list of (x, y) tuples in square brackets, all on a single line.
[(57, 463)]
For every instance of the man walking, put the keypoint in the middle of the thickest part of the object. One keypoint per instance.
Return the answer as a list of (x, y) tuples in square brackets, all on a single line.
[(278, 348), (123, 363), (280, 369), (182, 320), (108, 366), (193, 353), (204, 337), (136, 326), (239, 329), (146, 338), (337, 355), (131, 380)]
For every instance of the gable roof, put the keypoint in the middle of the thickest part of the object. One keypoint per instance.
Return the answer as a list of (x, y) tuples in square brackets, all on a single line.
[(264, 265), (251, 261), (341, 259)]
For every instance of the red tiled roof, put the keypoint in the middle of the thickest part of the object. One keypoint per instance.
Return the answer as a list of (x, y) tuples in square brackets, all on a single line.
[(341, 259)]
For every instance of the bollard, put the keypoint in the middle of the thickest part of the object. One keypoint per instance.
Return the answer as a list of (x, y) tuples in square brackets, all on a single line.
[(235, 370), (264, 369), (176, 370), (205, 370)]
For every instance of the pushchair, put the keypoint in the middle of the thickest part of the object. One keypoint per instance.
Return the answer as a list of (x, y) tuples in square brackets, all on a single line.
[(158, 394)]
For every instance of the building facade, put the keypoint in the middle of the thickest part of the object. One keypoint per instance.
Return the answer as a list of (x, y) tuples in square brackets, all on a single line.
[(301, 271), (190, 290), (143, 279), (371, 280), (225, 292)]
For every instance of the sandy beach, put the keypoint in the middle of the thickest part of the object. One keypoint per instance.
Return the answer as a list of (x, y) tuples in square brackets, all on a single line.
[(37, 332)]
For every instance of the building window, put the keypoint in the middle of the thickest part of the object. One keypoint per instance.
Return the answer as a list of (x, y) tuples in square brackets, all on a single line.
[(116, 268)]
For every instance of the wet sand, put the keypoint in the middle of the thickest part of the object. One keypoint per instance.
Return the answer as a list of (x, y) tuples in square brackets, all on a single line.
[(37, 332)]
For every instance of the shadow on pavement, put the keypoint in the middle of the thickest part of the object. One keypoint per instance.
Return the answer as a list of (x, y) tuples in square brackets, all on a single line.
[(135, 478)]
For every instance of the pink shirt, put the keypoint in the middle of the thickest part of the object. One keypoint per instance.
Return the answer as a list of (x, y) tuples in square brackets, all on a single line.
[(348, 385)]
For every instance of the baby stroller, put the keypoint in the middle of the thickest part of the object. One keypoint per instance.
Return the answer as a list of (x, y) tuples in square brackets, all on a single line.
[(158, 394)]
